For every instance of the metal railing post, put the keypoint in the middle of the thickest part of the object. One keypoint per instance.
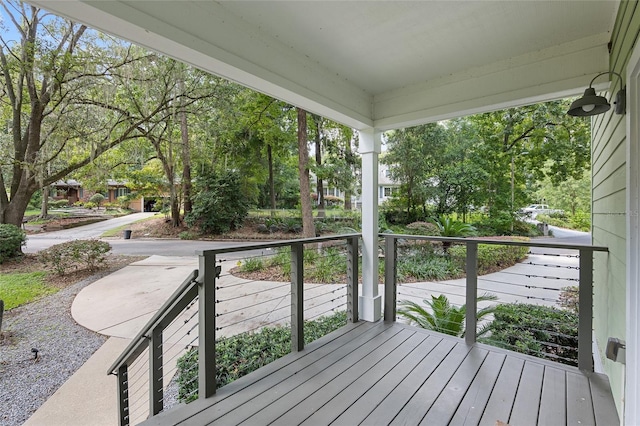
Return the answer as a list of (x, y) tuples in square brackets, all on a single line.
[(156, 397), (123, 395), (352, 279), (471, 302), (207, 326), (585, 310), (390, 275), (297, 297)]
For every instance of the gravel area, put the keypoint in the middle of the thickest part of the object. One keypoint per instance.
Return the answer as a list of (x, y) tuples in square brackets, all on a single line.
[(63, 346)]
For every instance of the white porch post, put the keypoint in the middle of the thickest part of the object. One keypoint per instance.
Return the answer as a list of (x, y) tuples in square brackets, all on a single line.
[(370, 302)]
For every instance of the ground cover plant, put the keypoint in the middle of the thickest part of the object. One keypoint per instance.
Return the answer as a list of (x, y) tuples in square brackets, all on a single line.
[(243, 353), (541, 331)]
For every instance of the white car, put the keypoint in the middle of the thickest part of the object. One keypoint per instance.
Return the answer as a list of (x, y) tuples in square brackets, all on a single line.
[(534, 210)]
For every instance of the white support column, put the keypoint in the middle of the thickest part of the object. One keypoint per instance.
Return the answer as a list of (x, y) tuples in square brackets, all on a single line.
[(370, 302)]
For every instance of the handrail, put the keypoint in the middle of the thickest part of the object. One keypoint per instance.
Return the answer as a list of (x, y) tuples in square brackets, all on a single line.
[(201, 285), (585, 317), (138, 344), (496, 242), (275, 244)]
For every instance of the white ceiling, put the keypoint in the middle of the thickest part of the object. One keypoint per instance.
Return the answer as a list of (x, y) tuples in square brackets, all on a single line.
[(375, 63)]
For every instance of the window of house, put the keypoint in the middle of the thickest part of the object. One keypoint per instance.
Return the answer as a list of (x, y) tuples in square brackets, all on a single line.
[(388, 191), (122, 192)]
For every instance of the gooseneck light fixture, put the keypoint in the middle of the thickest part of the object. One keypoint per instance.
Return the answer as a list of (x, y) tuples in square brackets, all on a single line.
[(592, 104)]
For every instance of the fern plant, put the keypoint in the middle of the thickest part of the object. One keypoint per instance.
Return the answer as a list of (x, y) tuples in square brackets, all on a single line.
[(441, 316)]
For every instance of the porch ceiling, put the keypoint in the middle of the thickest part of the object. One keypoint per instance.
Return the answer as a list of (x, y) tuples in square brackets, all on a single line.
[(374, 63)]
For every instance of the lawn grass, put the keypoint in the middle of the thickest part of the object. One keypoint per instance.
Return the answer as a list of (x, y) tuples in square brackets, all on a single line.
[(117, 232), (20, 288)]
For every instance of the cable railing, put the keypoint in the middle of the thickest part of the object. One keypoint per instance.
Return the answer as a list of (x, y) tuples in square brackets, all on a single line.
[(531, 308), (291, 282)]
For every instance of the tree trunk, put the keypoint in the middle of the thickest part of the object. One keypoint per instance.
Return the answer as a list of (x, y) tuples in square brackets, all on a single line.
[(272, 185), (186, 155), (347, 192), (308, 228), (319, 185), (44, 205)]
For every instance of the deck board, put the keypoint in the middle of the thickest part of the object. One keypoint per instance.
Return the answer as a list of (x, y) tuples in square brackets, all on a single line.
[(389, 373)]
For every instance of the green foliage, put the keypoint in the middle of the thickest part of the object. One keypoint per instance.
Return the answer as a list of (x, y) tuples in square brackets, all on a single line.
[(541, 331), (505, 224), (252, 265), (187, 235), (18, 289), (420, 263), (12, 239), (442, 316), (77, 254), (239, 355), (58, 204), (580, 220), (453, 228), (491, 257), (423, 228), (218, 205), (97, 199)]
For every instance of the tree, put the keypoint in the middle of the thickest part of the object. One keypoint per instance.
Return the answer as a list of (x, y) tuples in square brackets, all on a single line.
[(61, 83), (308, 228)]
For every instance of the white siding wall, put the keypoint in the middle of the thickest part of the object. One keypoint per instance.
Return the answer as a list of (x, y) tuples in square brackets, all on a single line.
[(609, 203)]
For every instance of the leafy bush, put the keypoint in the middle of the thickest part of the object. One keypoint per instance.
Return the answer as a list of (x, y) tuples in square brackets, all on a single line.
[(239, 355), (97, 199), (218, 205), (491, 257), (423, 228), (541, 331), (12, 239), (78, 254), (58, 204)]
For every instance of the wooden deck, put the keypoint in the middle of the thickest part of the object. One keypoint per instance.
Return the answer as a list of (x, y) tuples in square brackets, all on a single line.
[(389, 373)]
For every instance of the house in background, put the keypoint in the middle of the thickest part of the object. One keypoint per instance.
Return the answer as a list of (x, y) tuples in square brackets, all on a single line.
[(376, 66), (117, 189), (70, 189)]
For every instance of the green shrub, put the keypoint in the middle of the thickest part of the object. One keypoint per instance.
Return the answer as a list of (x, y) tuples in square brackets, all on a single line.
[(239, 355), (502, 224), (541, 331), (491, 257), (218, 205), (251, 265), (423, 228), (12, 239), (77, 254), (58, 204), (97, 199)]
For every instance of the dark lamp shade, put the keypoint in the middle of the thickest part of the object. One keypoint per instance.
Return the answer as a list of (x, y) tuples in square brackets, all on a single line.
[(589, 104)]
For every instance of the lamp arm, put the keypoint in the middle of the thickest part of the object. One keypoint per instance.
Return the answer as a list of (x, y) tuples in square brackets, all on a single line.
[(608, 73)]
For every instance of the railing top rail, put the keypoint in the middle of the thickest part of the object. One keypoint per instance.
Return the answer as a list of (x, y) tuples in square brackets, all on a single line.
[(274, 244), (137, 344), (531, 243)]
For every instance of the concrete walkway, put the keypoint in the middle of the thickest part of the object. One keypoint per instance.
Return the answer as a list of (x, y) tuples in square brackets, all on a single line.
[(120, 304)]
